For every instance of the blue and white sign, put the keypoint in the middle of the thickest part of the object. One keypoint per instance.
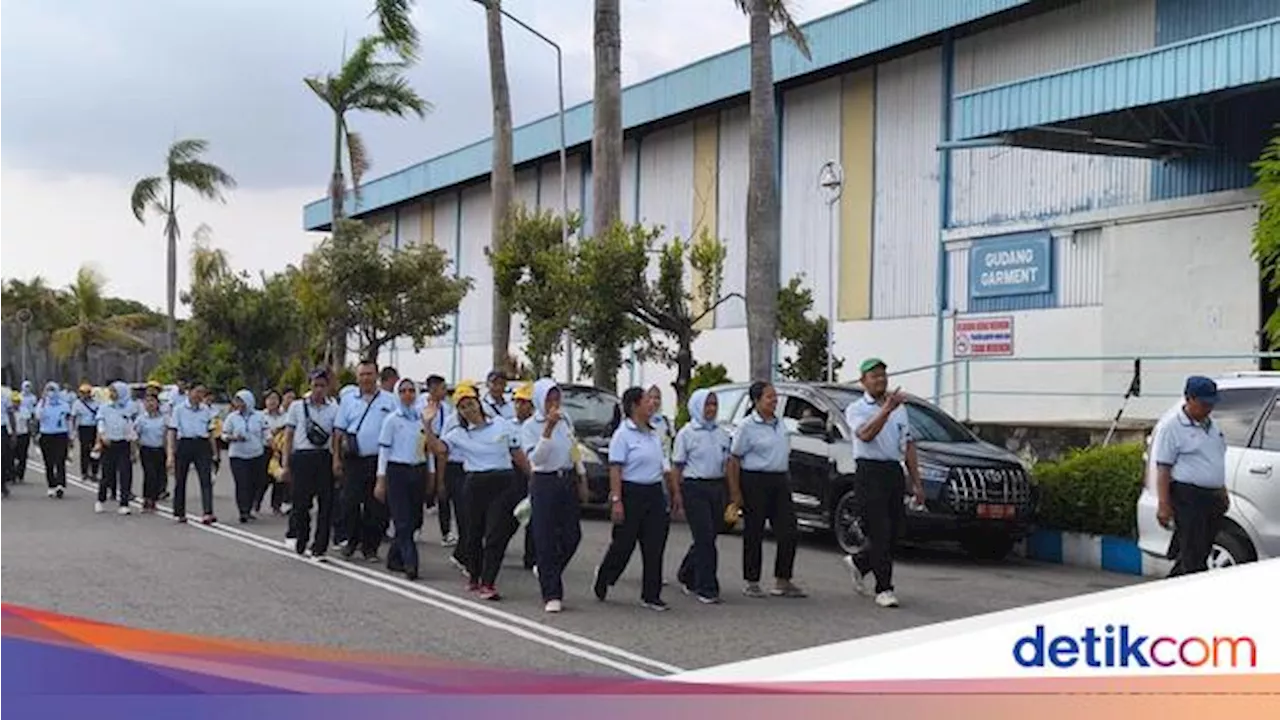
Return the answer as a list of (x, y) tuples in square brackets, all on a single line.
[(1018, 264)]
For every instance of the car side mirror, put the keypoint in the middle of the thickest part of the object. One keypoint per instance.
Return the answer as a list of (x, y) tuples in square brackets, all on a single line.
[(812, 426)]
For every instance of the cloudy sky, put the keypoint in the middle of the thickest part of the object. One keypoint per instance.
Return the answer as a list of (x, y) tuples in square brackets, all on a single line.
[(92, 93)]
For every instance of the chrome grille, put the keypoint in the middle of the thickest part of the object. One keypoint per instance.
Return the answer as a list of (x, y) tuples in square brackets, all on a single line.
[(969, 487)]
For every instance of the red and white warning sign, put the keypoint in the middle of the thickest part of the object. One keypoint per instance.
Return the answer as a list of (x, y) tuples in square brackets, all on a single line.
[(984, 336)]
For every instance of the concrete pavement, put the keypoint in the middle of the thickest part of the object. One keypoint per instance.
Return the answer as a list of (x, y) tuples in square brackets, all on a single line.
[(239, 581)]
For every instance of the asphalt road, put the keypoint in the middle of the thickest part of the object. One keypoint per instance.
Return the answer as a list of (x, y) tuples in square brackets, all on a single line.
[(239, 581)]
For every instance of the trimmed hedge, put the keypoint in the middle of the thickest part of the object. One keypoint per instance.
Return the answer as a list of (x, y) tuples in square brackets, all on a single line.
[(1092, 490)]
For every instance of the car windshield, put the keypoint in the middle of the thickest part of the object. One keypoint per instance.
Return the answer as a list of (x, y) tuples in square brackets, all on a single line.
[(591, 410)]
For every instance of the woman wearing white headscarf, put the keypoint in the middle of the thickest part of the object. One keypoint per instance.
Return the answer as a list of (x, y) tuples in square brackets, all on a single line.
[(245, 431), (54, 415)]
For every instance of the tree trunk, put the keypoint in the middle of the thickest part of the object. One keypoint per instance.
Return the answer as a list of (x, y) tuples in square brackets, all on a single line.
[(684, 371), (171, 269), (502, 178), (763, 231), (337, 184), (605, 362), (606, 138)]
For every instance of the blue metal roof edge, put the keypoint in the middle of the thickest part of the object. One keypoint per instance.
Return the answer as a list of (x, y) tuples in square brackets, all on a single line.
[(863, 29), (1231, 58)]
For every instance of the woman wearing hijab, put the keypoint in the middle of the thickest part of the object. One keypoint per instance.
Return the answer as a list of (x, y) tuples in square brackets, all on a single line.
[(24, 411), (402, 476), (85, 410), (701, 450), (150, 428), (490, 452), (54, 415), (245, 431), (759, 484), (273, 418), (659, 421), (115, 444), (638, 505)]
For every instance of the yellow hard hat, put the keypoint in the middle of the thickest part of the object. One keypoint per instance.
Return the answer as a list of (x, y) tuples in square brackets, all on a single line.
[(17, 396), (524, 392), (464, 390), (153, 384)]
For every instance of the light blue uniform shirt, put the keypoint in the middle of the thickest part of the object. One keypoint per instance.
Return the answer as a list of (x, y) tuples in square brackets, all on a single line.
[(115, 422), (1195, 453), (6, 407), (504, 408), (191, 422), (322, 415), (253, 427), (556, 452), (701, 451), (54, 418), (890, 444), (483, 449), (762, 445), (380, 407), (23, 414), (639, 453), (400, 440), (150, 429), (86, 413)]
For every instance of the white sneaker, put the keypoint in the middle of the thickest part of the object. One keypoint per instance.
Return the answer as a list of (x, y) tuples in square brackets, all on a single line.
[(554, 606), (887, 599), (50, 493), (858, 578), (450, 540), (124, 510), (98, 507)]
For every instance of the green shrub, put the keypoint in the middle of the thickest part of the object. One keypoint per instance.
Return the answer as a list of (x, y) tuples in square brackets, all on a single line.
[(1092, 490)]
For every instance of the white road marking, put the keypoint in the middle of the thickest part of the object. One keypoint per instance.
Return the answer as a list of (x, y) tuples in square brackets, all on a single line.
[(572, 644)]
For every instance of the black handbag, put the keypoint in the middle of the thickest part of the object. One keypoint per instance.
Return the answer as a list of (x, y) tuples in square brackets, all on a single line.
[(353, 437)]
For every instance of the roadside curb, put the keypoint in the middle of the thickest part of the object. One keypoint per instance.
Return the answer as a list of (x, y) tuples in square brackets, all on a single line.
[(1099, 552)]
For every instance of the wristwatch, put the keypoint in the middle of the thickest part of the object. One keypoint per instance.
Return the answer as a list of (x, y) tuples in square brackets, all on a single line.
[(615, 499)]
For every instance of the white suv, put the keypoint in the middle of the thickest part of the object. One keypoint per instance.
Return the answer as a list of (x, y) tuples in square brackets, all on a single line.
[(1248, 411)]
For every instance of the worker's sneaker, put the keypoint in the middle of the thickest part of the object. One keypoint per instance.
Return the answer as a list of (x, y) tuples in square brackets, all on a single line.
[(50, 492), (752, 590), (599, 588), (124, 510), (58, 492), (887, 599), (553, 606), (857, 577), (655, 605), (488, 592), (98, 507), (450, 540)]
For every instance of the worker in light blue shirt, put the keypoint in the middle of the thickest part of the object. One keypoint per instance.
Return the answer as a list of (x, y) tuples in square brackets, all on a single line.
[(54, 416), (115, 443), (403, 476), (85, 411), (698, 457), (151, 427), (556, 488), (363, 521), (191, 443), (450, 477), (245, 431), (309, 461), (490, 452), (6, 454), (494, 402), (24, 413), (638, 468), (760, 484)]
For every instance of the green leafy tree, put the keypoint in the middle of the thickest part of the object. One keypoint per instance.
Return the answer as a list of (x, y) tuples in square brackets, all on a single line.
[(405, 292), (805, 333), (1266, 234), (609, 268), (705, 375), (295, 376), (533, 272), (184, 167), (91, 325), (49, 307)]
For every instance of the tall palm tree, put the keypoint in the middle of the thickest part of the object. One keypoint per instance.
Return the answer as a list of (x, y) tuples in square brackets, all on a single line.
[(396, 25), (92, 326), (184, 167), (502, 177), (364, 83), (764, 207)]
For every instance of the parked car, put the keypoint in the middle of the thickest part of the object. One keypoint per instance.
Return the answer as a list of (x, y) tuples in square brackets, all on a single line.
[(976, 493), (1248, 411)]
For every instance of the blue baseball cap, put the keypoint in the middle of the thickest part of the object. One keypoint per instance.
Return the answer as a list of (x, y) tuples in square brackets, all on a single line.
[(1202, 388)]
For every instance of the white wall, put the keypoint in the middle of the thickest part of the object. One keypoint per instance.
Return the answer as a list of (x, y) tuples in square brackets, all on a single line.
[(810, 138), (732, 205), (477, 307)]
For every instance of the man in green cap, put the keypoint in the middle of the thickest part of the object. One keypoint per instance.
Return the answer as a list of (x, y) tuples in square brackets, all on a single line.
[(881, 443)]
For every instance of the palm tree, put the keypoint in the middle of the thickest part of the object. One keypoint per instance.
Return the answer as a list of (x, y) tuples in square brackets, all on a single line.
[(46, 305), (395, 24), (763, 205), (363, 83), (183, 167), (502, 177), (92, 327)]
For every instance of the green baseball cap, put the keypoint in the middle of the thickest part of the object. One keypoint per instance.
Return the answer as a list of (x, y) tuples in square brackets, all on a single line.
[(871, 364)]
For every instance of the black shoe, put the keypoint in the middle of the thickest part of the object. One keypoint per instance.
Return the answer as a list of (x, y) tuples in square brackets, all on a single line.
[(348, 551), (58, 493), (395, 567), (601, 590), (371, 556), (244, 519), (411, 575)]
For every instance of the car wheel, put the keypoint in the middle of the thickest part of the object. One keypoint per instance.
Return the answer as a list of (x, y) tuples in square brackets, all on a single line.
[(987, 545), (846, 524), (1230, 547)]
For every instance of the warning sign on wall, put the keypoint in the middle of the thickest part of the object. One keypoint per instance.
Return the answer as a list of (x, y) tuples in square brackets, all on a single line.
[(984, 337)]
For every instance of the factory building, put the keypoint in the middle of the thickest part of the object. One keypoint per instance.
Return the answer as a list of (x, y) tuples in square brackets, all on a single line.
[(1035, 192)]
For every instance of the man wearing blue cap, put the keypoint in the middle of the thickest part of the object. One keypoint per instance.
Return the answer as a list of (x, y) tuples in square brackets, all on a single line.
[(1190, 451)]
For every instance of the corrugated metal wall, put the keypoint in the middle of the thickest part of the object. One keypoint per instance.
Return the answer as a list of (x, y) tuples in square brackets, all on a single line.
[(734, 167), (908, 118), (1077, 277), (666, 180), (527, 188), (1182, 19), (629, 180), (1241, 127), (810, 137), (550, 187), (410, 224), (996, 185), (445, 236), (477, 307)]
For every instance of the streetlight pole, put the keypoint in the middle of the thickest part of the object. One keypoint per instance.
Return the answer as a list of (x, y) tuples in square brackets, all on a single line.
[(564, 150), (831, 182), (24, 319)]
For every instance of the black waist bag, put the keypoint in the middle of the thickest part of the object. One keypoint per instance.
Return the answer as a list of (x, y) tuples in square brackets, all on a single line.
[(315, 434)]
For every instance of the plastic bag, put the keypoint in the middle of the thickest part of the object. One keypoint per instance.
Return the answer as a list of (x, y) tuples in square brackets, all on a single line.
[(523, 511)]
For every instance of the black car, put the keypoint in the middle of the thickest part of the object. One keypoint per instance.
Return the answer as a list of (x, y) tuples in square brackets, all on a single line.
[(976, 493), (594, 412)]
